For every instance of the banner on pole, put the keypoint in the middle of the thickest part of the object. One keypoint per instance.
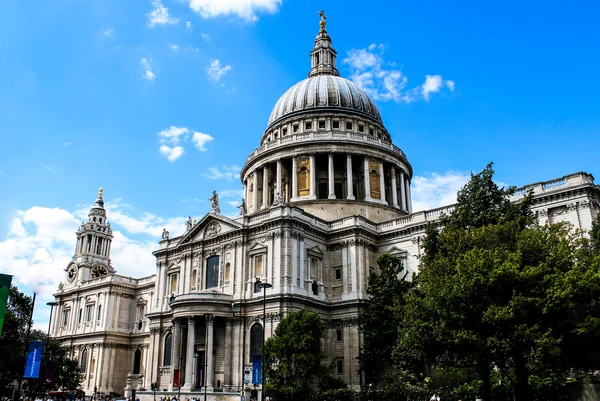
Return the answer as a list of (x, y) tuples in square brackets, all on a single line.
[(34, 360), (175, 378), (5, 280)]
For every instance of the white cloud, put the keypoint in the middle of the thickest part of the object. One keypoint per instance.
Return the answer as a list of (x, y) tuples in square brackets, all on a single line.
[(215, 71), (160, 15), (200, 140), (383, 82), (244, 9), (67, 144), (232, 193), (109, 33), (175, 48), (49, 168), (189, 27), (205, 36), (228, 173), (436, 190), (147, 66), (171, 139)]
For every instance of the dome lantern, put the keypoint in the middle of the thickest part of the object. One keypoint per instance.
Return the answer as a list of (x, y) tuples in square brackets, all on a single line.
[(323, 55)]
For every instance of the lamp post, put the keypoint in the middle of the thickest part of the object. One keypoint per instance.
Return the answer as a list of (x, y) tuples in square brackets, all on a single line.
[(51, 305), (264, 286)]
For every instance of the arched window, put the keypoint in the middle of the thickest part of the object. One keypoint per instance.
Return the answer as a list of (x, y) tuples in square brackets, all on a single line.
[(168, 347), (137, 360), (84, 359), (256, 338)]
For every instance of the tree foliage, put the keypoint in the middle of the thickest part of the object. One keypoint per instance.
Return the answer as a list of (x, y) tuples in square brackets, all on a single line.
[(57, 371), (294, 360), (499, 295)]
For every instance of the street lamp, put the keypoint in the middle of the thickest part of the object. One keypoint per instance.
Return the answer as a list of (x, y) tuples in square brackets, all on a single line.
[(264, 286), (51, 305)]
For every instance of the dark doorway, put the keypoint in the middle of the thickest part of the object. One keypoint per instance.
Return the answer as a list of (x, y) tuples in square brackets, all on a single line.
[(137, 361), (200, 369)]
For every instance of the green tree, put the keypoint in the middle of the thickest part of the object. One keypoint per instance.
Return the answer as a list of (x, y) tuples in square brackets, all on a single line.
[(59, 370), (378, 321), (294, 360), (499, 294)]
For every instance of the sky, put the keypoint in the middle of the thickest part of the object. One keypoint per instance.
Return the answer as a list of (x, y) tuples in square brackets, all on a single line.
[(160, 103)]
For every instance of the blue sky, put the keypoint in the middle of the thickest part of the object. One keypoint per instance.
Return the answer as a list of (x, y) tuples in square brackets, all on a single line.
[(160, 102)]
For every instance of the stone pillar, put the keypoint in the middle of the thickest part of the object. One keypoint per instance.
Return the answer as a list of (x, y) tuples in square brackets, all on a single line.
[(279, 188), (210, 364), (265, 190), (402, 191), (408, 198), (176, 351), (313, 176), (394, 189), (228, 355), (382, 182), (294, 178), (255, 206), (349, 177), (246, 200), (189, 356), (331, 177), (366, 180)]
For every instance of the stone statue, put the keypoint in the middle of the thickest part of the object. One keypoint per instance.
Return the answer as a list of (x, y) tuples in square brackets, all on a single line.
[(188, 224), (165, 234), (242, 208), (214, 203), (278, 200)]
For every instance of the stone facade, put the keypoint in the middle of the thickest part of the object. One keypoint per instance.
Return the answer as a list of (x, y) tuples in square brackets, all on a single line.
[(324, 195)]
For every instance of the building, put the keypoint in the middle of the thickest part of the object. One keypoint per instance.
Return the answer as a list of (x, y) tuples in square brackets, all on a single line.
[(325, 193)]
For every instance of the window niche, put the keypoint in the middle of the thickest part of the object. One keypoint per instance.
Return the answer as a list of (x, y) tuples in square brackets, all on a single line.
[(212, 272)]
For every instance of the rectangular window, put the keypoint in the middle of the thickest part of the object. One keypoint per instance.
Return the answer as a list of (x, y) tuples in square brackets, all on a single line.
[(80, 315), (336, 124), (173, 283), (338, 274), (361, 128), (339, 366), (371, 131), (258, 265), (338, 335), (295, 127), (89, 309), (99, 312), (321, 124), (212, 272), (284, 131), (308, 125), (348, 125), (65, 317)]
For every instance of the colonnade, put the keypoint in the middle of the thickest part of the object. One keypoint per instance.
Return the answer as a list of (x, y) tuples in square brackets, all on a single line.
[(327, 176)]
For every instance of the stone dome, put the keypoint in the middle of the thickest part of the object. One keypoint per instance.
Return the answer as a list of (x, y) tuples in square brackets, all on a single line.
[(324, 92)]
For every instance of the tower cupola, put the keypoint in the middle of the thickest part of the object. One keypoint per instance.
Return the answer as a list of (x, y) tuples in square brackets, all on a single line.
[(323, 55)]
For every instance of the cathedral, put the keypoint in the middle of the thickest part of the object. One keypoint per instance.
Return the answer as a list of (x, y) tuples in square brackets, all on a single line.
[(325, 193)]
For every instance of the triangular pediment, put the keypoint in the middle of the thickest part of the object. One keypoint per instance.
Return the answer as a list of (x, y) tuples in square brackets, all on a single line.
[(315, 251), (210, 226), (396, 251)]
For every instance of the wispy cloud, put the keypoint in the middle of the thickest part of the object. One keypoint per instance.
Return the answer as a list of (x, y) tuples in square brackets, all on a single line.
[(228, 173), (148, 74), (245, 9), (159, 15), (382, 81), (171, 141), (189, 27), (173, 47), (216, 71), (67, 144), (110, 33), (436, 190), (199, 139), (205, 36)]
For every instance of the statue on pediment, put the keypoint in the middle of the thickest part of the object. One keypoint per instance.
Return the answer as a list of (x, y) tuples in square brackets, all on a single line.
[(188, 224), (214, 203)]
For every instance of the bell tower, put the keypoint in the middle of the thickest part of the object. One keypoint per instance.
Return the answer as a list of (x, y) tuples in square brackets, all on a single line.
[(92, 252)]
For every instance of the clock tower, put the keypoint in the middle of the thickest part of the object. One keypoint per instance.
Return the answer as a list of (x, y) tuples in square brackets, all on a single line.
[(92, 252)]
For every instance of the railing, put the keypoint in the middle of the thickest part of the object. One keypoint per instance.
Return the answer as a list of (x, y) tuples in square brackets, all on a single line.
[(566, 181), (325, 136)]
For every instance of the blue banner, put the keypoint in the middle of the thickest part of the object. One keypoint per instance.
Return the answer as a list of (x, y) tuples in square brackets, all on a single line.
[(256, 369), (34, 360)]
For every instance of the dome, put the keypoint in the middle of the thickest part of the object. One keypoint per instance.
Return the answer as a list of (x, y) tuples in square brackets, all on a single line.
[(325, 91)]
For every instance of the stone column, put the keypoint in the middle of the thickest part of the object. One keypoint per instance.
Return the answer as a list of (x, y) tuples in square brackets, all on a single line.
[(265, 190), (176, 351), (366, 180), (349, 177), (255, 206), (330, 177), (228, 354), (394, 189), (189, 356), (402, 191), (382, 182), (246, 192), (294, 178), (210, 364), (313, 176), (279, 188), (408, 198)]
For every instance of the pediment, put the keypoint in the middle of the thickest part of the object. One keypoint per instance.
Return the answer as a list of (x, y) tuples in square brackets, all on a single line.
[(396, 252), (211, 225), (315, 251)]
